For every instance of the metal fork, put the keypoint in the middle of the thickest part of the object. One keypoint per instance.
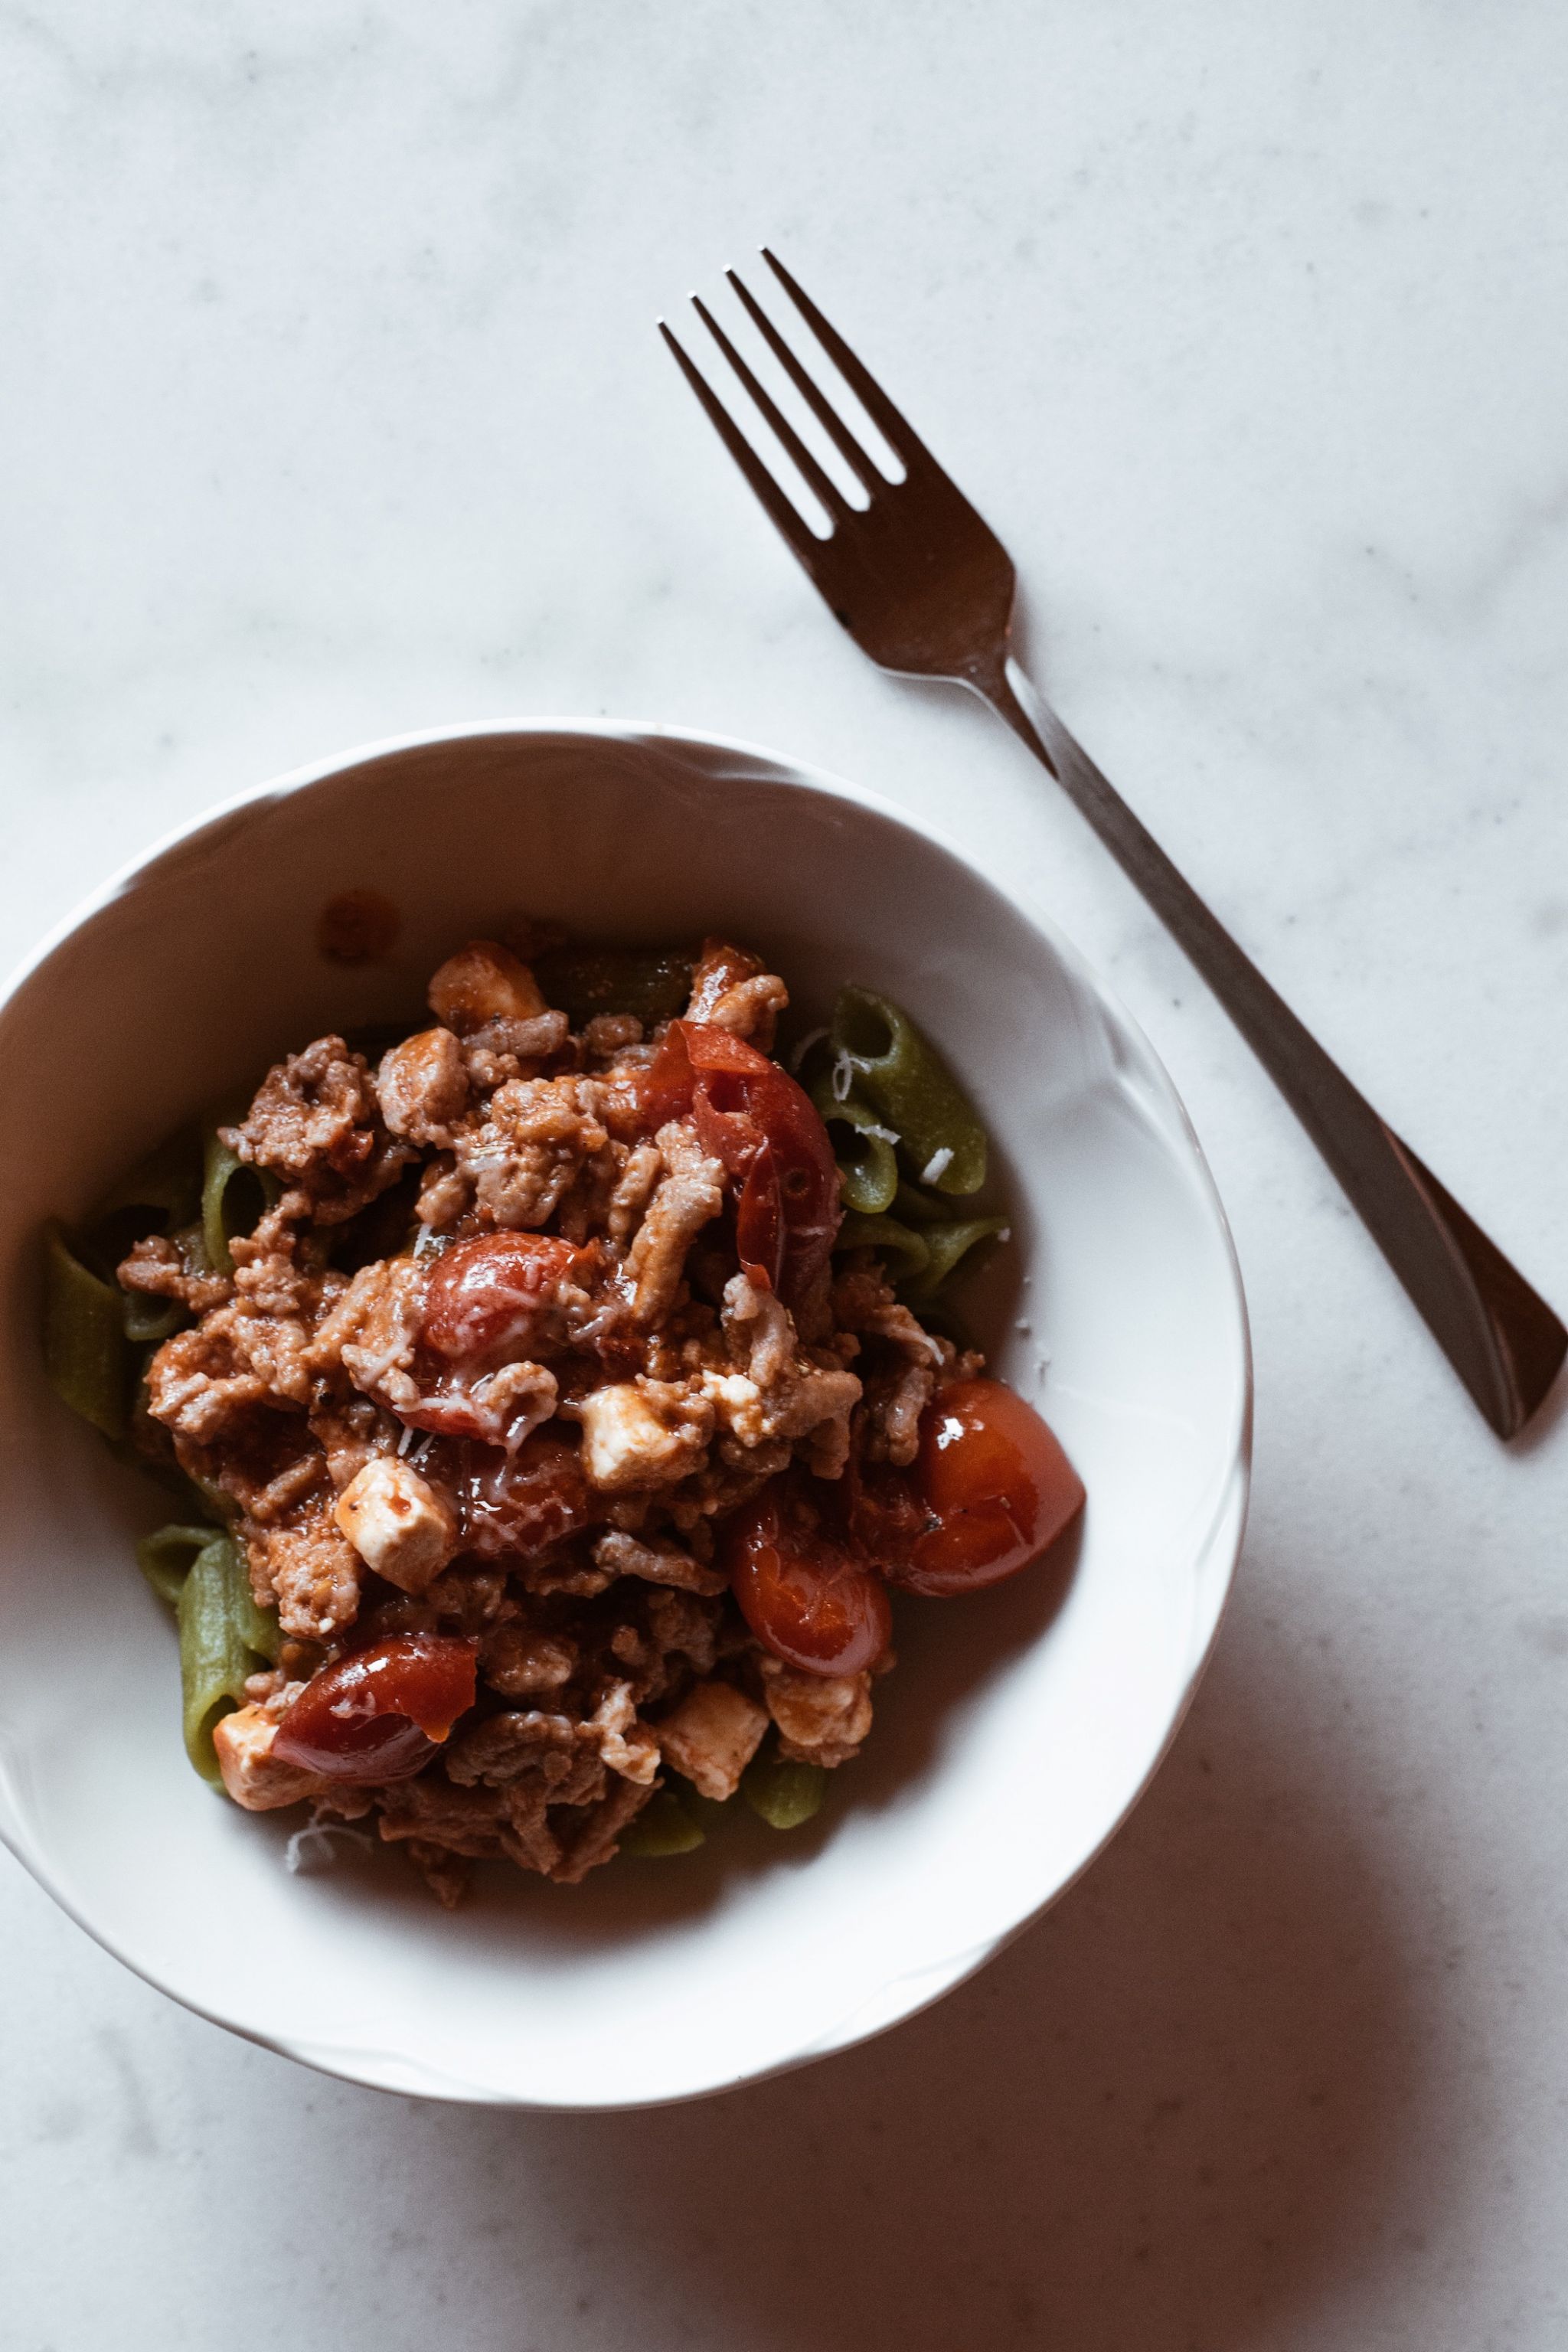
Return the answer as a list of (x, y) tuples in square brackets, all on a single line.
[(926, 588)]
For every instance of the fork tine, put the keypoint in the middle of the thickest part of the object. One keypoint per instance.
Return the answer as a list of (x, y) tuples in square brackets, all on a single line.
[(803, 540), (850, 449), (878, 407), (826, 490)]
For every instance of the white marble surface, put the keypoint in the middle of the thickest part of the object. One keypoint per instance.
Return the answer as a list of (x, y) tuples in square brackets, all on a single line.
[(332, 409)]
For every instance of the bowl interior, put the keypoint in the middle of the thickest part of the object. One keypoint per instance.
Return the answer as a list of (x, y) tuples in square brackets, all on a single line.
[(1020, 1725)]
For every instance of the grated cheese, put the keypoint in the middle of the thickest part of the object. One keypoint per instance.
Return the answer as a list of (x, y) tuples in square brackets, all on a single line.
[(313, 1843), (937, 1166)]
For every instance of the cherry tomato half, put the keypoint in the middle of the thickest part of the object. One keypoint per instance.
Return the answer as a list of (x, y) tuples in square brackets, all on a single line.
[(380, 1713), (720, 966), (806, 1595), (641, 1101), (998, 1487), (494, 1294), (764, 1129), (523, 1502)]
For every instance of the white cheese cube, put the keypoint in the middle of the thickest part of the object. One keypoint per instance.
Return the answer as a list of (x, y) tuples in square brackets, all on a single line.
[(642, 1433), (712, 1736), (399, 1526), (251, 1774)]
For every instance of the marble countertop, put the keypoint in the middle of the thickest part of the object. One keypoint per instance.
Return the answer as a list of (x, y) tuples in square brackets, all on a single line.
[(334, 409)]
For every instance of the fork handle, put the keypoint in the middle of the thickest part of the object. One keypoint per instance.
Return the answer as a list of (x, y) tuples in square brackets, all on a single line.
[(1502, 1340)]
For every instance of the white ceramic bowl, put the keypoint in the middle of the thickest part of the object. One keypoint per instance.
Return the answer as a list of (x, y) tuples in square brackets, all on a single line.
[(1021, 1725)]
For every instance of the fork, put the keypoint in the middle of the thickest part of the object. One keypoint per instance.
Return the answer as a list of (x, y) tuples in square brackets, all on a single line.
[(927, 588)]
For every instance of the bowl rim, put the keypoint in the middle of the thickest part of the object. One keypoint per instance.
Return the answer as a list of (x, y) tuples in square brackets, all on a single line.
[(1217, 1552)]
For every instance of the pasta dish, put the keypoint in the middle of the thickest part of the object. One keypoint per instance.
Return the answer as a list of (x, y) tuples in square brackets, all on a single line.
[(554, 1394)]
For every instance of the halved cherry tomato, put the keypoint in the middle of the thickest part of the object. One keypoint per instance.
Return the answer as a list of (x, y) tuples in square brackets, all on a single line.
[(380, 1713), (641, 1101), (526, 1501), (494, 1294), (995, 1486), (764, 1129), (804, 1592), (883, 1513), (720, 966)]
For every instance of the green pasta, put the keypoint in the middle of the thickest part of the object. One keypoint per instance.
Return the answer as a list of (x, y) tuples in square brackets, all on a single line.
[(587, 981), (878, 1081), (917, 1262), (663, 1827), (917, 1208), (148, 1320), (782, 1793), (894, 1068), (905, 1252), (166, 1558), (85, 1352), (868, 1164), (161, 1194), (260, 1626), (946, 1244), (224, 1637), (234, 1196)]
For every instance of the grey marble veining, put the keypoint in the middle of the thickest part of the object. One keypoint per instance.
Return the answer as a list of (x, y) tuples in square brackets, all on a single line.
[(332, 409)]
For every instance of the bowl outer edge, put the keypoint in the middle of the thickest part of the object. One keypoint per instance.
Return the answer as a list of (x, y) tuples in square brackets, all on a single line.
[(1214, 1560)]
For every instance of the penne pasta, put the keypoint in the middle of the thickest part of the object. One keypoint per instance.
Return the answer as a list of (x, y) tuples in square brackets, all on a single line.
[(166, 1557), (947, 1244), (233, 1199), (895, 1069), (587, 983), (868, 1163), (85, 1352), (905, 1252), (224, 1638)]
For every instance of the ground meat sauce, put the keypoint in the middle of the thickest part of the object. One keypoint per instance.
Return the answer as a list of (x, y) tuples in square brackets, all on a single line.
[(494, 1392)]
